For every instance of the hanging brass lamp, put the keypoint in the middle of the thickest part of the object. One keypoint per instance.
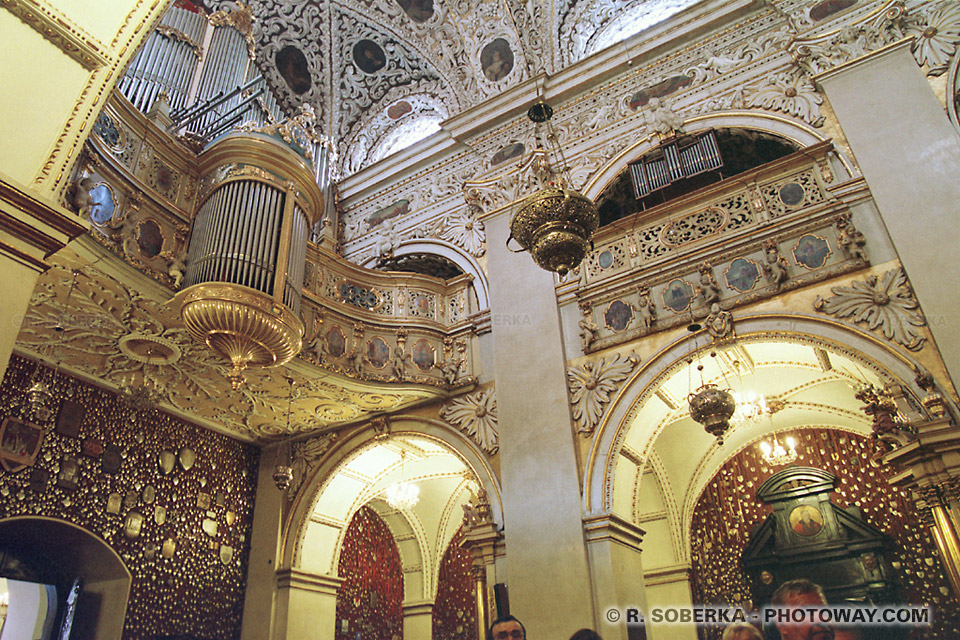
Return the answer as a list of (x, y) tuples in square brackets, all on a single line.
[(556, 223), (712, 407)]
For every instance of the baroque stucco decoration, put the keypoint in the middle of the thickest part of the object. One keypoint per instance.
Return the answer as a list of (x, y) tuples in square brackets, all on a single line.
[(103, 314), (884, 303), (475, 414), (305, 456), (592, 384)]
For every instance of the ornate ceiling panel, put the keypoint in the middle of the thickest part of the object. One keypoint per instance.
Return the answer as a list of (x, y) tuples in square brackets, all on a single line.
[(368, 66)]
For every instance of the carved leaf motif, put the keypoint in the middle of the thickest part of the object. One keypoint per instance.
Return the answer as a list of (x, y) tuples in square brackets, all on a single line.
[(305, 456), (883, 303), (936, 31), (592, 384), (475, 415), (464, 231), (791, 93)]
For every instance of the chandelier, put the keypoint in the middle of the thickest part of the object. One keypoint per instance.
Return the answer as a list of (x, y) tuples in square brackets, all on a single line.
[(750, 407), (402, 495), (554, 224), (776, 455)]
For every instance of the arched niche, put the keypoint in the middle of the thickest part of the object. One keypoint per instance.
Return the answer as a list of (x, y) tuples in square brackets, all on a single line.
[(466, 262), (798, 133), (102, 604), (357, 473)]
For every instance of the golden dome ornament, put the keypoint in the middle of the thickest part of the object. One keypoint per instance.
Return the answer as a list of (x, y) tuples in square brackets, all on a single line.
[(556, 223)]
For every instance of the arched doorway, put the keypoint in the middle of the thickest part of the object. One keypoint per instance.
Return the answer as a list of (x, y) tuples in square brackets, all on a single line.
[(65, 555), (356, 480), (650, 462)]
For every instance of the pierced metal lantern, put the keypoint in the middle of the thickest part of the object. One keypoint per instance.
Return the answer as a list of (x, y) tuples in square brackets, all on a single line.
[(283, 476), (555, 225), (712, 407)]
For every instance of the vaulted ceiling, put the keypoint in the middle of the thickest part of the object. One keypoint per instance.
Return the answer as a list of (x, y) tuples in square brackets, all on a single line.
[(370, 67)]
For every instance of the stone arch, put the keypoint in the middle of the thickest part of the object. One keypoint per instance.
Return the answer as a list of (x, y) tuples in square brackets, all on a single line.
[(81, 554), (313, 536), (467, 263), (797, 132), (878, 360)]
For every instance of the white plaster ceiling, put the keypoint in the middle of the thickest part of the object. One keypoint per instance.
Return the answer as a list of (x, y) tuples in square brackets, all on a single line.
[(423, 532), (371, 66), (817, 390)]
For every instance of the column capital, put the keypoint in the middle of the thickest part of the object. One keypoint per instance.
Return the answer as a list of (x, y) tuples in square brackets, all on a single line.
[(33, 228), (295, 579), (612, 528), (481, 541), (867, 58), (930, 461), (418, 608)]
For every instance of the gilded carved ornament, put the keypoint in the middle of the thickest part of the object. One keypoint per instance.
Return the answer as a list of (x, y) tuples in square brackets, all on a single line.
[(475, 414)]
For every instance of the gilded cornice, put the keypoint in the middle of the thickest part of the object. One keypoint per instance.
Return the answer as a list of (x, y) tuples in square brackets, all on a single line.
[(60, 31)]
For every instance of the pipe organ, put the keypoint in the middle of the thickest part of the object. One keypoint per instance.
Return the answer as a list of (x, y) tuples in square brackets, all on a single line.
[(246, 258), (200, 61)]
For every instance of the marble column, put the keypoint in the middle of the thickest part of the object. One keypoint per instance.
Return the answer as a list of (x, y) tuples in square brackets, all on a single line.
[(929, 466), (481, 540), (615, 563), (548, 579), (259, 608), (909, 153)]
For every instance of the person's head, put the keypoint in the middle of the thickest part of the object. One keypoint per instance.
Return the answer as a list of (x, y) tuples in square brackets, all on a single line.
[(801, 593), (586, 634), (506, 628), (741, 631)]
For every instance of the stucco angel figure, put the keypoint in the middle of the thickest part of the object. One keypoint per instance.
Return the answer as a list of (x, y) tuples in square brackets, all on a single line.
[(775, 269), (450, 370), (356, 359), (647, 310), (399, 362), (851, 241), (709, 290), (176, 269), (660, 117), (719, 62), (588, 332), (82, 201), (387, 241)]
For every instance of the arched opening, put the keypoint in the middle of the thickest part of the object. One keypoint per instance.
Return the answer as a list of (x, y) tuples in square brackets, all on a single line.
[(741, 149), (658, 463), (358, 480), (729, 516), (60, 577)]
